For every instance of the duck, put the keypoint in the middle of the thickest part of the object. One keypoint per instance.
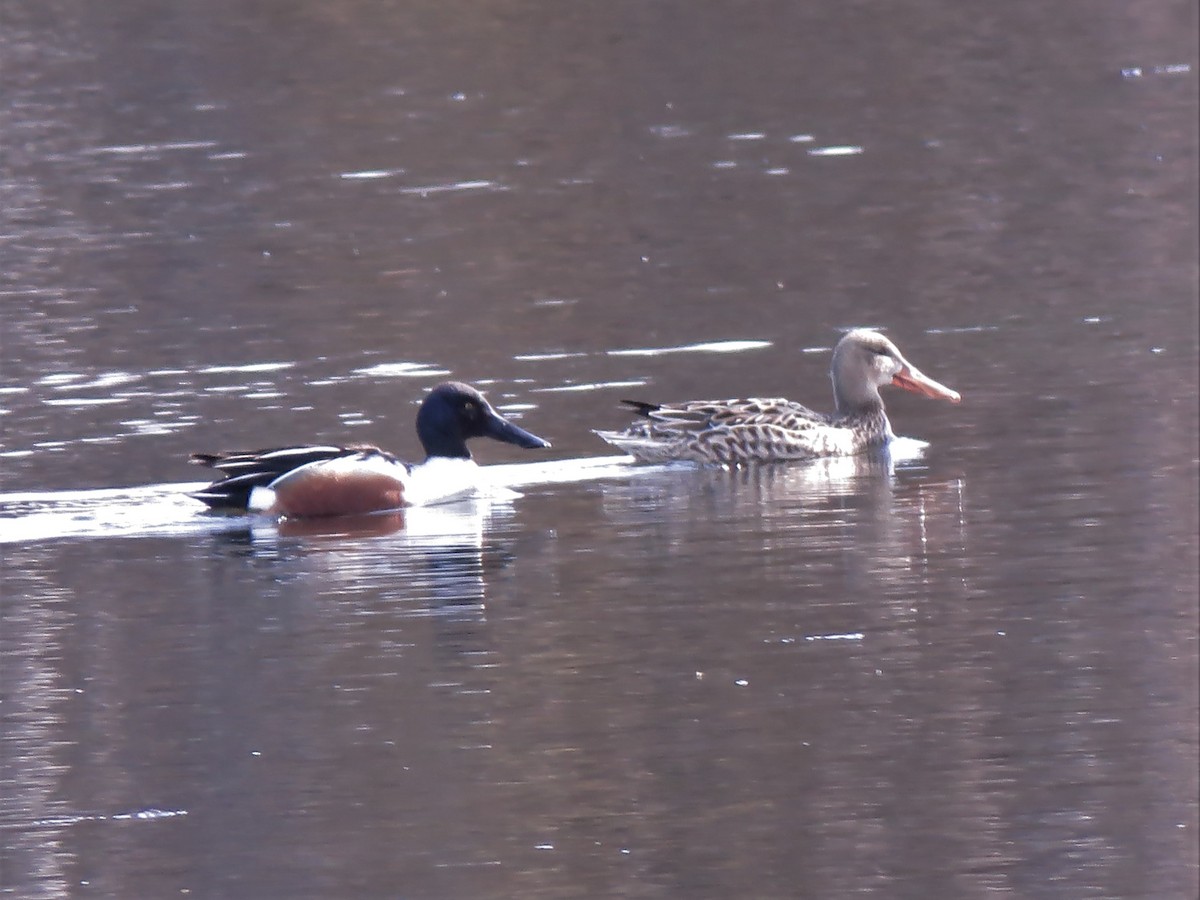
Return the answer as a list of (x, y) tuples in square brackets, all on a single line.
[(312, 480), (756, 430)]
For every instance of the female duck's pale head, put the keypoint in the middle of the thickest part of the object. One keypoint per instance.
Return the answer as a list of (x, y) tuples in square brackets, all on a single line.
[(453, 413), (864, 361)]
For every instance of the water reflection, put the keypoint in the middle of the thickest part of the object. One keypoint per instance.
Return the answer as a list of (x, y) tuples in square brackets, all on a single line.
[(349, 618), (970, 675), (436, 552), (853, 549), (819, 498)]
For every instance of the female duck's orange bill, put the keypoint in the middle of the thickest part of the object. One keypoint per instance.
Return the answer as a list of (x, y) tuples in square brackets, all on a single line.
[(912, 379)]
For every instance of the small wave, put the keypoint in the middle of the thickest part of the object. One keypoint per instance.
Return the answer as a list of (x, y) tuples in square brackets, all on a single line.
[(708, 347)]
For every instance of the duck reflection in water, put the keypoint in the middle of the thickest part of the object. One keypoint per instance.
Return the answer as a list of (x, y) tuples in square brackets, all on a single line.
[(424, 561)]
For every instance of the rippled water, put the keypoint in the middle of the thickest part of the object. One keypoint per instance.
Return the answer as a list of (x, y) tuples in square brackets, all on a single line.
[(966, 669)]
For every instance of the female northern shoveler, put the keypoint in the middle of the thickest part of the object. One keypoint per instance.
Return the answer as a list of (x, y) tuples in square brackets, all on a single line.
[(730, 432), (334, 481)]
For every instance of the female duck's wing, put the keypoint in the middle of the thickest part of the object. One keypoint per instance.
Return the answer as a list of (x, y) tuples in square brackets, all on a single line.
[(699, 415), (724, 431)]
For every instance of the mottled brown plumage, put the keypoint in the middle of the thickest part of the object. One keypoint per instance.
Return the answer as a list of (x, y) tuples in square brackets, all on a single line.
[(731, 432)]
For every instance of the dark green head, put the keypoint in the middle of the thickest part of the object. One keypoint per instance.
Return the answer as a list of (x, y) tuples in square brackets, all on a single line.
[(454, 412)]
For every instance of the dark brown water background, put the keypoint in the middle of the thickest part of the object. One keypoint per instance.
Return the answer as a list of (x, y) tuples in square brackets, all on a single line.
[(971, 674)]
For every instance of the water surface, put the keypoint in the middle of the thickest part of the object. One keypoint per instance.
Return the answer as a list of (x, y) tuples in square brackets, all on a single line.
[(968, 672)]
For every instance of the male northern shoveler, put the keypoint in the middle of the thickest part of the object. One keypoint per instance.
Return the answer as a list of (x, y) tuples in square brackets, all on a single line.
[(730, 432), (333, 481)]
